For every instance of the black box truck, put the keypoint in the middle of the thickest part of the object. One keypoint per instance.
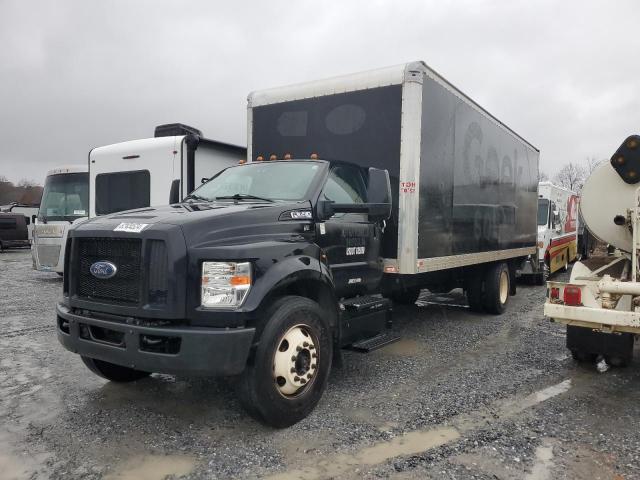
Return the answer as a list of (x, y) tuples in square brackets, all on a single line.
[(357, 190)]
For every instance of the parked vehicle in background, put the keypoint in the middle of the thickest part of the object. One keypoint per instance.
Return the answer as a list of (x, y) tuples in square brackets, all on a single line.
[(380, 183), (13, 231), (65, 200), (557, 227), (586, 241), (29, 211), (601, 303), (155, 171)]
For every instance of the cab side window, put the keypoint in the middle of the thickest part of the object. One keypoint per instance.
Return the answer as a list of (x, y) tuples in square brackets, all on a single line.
[(345, 185)]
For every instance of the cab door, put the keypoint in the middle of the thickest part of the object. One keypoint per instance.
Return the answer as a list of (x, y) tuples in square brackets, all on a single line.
[(350, 241)]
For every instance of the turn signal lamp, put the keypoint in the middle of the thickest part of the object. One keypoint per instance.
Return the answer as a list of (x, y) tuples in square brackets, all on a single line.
[(626, 160), (554, 295), (225, 284), (572, 295)]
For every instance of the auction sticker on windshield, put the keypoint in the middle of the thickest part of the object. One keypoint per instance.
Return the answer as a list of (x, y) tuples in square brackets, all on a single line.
[(131, 227)]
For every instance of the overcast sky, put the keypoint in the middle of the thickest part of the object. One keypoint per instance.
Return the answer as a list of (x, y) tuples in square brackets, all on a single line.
[(80, 74)]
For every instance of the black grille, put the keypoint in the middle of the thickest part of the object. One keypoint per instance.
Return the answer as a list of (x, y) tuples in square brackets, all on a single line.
[(158, 269), (125, 253)]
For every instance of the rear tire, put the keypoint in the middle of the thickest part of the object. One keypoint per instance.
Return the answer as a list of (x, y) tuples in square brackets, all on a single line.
[(583, 357), (407, 296), (496, 291), (112, 372), (295, 345)]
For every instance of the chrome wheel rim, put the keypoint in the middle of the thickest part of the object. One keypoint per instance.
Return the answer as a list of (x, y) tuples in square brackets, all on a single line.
[(295, 361)]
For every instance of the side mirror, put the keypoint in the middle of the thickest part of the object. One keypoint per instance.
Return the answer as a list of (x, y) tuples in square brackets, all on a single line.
[(379, 194), (324, 209), (174, 192)]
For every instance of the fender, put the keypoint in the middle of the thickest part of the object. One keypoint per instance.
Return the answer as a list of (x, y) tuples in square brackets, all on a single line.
[(283, 274)]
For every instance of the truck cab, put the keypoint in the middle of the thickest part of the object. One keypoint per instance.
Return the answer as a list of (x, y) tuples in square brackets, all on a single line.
[(65, 200), (279, 250), (557, 227)]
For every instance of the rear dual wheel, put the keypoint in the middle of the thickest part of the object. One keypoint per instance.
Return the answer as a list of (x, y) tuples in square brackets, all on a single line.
[(287, 374), (488, 290)]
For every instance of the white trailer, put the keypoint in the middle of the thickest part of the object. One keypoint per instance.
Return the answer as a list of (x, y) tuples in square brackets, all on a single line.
[(557, 227), (155, 171), (65, 200), (601, 303)]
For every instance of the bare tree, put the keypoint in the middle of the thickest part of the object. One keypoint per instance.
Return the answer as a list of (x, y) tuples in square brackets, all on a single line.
[(592, 163), (542, 176), (571, 176)]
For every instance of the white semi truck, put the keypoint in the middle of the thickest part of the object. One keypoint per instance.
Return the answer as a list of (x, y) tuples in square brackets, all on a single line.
[(601, 303), (65, 200), (155, 171), (124, 176)]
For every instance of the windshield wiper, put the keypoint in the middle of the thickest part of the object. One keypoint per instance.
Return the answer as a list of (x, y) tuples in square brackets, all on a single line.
[(244, 196), (193, 196)]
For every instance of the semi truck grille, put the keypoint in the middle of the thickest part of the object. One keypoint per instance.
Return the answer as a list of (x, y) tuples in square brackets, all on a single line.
[(48, 255), (125, 254)]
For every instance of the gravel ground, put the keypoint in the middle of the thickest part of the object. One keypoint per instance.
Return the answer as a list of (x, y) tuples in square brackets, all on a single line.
[(462, 395)]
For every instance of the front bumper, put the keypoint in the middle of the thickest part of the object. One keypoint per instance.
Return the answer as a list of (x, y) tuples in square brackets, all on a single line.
[(193, 350)]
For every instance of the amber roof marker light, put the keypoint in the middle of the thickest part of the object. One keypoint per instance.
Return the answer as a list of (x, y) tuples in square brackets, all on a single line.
[(287, 156), (314, 156), (259, 158), (273, 157)]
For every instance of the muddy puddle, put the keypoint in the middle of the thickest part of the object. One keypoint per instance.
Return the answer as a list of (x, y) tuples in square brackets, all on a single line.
[(409, 444), (153, 467), (419, 441), (404, 347)]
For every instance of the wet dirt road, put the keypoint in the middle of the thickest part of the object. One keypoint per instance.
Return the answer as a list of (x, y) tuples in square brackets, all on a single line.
[(462, 395)]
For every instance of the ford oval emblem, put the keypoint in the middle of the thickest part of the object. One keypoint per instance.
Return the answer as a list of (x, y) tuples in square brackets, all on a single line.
[(103, 270)]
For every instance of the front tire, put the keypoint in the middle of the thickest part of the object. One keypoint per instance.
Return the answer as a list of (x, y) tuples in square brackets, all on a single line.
[(288, 372), (112, 372)]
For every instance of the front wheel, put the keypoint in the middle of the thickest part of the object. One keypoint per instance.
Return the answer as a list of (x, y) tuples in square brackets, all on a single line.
[(115, 373), (287, 375)]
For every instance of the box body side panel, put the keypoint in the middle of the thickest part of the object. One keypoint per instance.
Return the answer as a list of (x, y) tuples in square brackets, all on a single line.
[(478, 181)]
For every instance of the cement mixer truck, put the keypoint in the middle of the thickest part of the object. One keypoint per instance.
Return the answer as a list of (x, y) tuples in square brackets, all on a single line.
[(601, 303)]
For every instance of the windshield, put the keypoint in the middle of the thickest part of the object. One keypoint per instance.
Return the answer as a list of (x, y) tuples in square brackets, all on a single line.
[(286, 181), (65, 197), (543, 211)]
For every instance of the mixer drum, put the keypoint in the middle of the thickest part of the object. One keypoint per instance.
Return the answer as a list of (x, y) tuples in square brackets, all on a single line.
[(604, 196)]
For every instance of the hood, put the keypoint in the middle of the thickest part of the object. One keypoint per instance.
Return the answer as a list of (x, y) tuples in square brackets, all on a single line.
[(207, 222)]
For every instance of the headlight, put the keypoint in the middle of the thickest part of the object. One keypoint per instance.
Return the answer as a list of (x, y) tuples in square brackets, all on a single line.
[(225, 284)]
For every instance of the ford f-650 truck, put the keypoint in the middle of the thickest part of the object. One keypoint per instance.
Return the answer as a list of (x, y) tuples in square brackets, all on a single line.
[(357, 189)]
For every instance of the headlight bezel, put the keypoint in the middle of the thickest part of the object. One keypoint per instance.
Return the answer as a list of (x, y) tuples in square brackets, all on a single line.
[(224, 285)]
